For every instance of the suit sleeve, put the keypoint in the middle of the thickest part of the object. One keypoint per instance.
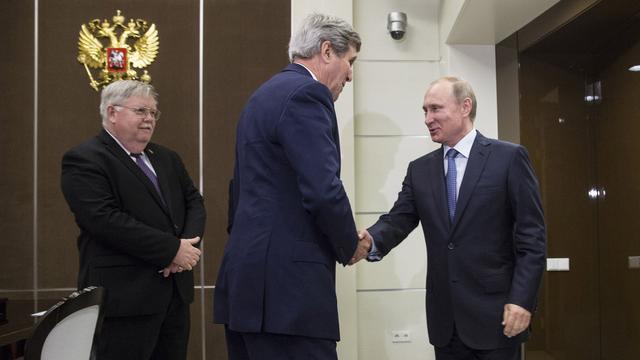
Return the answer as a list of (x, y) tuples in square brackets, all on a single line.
[(195, 214), (392, 228), (305, 131), (234, 197), (86, 187), (529, 231)]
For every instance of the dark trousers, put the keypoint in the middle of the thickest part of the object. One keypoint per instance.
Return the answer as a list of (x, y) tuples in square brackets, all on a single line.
[(156, 336), (457, 350), (265, 346)]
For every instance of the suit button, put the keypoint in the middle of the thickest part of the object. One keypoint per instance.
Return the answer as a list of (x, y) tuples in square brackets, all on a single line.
[(451, 246), (175, 226)]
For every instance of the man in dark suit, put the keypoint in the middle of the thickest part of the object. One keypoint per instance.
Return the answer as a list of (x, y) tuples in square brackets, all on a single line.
[(291, 218), (479, 205), (140, 218)]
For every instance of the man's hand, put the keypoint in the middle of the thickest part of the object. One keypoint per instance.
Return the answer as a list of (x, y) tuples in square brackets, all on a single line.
[(188, 255), (515, 319), (171, 269), (364, 245)]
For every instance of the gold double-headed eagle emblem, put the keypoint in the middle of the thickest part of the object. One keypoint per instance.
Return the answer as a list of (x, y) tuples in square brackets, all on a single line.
[(136, 47)]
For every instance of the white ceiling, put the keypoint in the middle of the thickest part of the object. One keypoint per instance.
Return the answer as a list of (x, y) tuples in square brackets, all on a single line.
[(487, 22)]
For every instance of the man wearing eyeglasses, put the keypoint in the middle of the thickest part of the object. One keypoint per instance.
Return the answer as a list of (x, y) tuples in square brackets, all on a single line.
[(140, 218)]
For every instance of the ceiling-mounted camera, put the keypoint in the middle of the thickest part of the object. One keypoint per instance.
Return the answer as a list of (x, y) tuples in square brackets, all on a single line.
[(397, 24)]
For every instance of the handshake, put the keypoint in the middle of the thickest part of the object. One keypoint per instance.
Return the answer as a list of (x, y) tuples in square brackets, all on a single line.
[(186, 258), (188, 254), (364, 246)]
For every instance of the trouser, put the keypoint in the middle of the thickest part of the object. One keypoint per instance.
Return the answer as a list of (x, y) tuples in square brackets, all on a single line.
[(162, 336), (266, 346), (457, 350)]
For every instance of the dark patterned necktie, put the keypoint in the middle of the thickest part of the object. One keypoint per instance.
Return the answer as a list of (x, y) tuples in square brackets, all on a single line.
[(147, 171)]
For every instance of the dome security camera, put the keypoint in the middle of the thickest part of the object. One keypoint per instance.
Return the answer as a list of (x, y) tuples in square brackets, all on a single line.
[(397, 24)]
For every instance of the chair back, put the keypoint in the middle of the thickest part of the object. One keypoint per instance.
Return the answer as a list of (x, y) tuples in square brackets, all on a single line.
[(68, 330)]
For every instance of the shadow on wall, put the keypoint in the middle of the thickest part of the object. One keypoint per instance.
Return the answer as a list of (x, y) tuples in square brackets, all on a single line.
[(372, 169), (381, 161)]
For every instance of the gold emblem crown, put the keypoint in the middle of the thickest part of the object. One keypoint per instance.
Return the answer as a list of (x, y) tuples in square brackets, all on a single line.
[(124, 52)]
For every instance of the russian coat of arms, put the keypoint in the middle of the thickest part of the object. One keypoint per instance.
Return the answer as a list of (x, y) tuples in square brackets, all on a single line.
[(135, 47)]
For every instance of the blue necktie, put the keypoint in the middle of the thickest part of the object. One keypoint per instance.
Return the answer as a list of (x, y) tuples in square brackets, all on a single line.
[(147, 171), (451, 182)]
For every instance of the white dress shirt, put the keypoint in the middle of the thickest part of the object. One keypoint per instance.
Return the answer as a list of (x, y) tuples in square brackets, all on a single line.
[(310, 72), (464, 148), (143, 156)]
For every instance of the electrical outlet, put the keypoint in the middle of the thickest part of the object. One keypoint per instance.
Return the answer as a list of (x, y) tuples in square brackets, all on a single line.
[(400, 336), (557, 264)]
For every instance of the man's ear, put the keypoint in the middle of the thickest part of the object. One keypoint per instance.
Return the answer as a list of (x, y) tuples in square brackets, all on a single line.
[(111, 112), (326, 51), (467, 104)]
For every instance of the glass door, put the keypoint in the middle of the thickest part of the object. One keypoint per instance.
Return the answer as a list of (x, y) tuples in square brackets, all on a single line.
[(580, 120)]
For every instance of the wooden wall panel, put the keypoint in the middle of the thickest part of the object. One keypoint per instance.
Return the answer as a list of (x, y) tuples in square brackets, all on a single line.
[(215, 343), (562, 154), (245, 43), (236, 62), (68, 108), (16, 146), (616, 127)]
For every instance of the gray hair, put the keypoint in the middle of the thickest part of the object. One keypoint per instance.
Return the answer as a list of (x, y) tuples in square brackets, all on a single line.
[(318, 28), (119, 91), (461, 90)]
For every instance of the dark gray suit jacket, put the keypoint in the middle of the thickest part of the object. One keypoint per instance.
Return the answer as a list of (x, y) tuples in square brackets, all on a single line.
[(493, 253)]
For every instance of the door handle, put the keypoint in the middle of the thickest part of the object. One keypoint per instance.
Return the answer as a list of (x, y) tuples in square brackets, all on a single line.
[(597, 193)]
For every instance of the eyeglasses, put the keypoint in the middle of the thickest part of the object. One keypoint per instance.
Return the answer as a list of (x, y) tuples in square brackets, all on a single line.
[(143, 111)]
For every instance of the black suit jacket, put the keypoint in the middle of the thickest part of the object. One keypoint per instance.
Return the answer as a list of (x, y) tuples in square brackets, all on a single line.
[(493, 253), (127, 233)]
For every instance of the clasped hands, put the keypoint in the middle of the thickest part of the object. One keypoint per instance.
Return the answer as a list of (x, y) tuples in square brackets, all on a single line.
[(364, 246), (186, 258)]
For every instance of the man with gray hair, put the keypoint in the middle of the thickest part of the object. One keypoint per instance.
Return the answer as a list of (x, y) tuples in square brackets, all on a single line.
[(140, 219), (290, 218)]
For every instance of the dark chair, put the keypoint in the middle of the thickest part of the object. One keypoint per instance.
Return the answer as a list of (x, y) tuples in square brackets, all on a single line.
[(69, 329)]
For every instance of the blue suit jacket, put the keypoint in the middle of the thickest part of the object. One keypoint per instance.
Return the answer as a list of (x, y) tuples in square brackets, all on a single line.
[(291, 218), (493, 253)]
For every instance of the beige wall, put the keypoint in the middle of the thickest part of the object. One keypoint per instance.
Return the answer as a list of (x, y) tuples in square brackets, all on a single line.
[(391, 79)]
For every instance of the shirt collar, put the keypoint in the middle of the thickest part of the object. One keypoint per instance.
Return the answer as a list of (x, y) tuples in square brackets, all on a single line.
[(119, 143), (310, 72), (464, 145)]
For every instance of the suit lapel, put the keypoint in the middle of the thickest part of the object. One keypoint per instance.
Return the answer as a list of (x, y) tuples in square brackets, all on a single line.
[(435, 173), (336, 138), (121, 155), (163, 176), (477, 159)]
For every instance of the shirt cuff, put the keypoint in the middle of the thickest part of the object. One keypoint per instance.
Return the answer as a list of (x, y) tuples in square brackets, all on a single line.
[(374, 253)]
